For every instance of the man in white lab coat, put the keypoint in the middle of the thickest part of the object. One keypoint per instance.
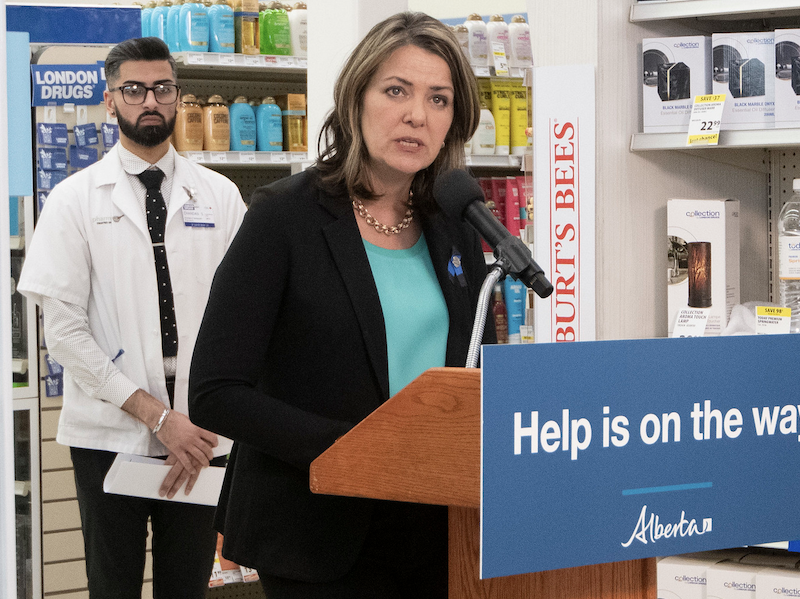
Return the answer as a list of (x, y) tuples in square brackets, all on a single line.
[(123, 295)]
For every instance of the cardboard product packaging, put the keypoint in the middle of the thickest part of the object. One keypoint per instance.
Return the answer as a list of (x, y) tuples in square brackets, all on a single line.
[(293, 112), (787, 78), (674, 71), (732, 580), (702, 260), (741, 63)]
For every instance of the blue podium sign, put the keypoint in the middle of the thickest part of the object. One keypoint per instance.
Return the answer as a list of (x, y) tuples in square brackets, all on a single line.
[(605, 451)]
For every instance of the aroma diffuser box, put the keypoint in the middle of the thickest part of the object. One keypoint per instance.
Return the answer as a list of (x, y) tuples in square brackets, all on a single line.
[(787, 78), (742, 70), (674, 71), (703, 260)]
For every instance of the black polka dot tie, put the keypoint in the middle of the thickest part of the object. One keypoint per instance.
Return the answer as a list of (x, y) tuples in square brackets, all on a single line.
[(156, 221)]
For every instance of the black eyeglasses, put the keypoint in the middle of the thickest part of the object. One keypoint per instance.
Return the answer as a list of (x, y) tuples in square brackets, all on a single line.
[(165, 93)]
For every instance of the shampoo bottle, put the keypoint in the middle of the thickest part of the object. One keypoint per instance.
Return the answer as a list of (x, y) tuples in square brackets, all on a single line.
[(147, 15), (221, 32), (269, 134), (478, 40), (519, 35), (497, 31), (484, 139), (158, 20), (216, 125), (193, 27), (275, 36), (462, 35), (188, 135), (500, 315), (173, 18), (243, 126), (298, 26)]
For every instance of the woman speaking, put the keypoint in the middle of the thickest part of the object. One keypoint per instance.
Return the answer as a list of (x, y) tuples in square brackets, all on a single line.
[(344, 283)]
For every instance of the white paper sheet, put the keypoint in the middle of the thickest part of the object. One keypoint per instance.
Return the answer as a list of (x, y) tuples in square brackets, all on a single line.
[(140, 476)]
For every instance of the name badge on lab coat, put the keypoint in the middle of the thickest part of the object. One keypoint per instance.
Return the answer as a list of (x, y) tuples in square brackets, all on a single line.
[(197, 216)]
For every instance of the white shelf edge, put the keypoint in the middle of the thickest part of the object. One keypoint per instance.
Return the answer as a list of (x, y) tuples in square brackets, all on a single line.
[(247, 61), (246, 159), (489, 161), (759, 138), (684, 9)]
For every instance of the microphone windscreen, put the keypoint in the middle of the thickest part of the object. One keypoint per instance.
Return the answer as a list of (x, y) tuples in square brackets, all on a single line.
[(454, 190)]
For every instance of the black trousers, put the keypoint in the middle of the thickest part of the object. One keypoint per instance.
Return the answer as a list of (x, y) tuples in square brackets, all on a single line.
[(115, 537), (403, 557)]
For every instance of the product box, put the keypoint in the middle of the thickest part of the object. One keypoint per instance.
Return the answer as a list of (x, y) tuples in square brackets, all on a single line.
[(293, 112), (682, 577), (674, 71), (702, 236), (787, 78), (777, 583), (742, 70), (732, 580), (245, 22)]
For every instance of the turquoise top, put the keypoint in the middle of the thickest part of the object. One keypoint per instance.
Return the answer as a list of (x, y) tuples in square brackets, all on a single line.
[(414, 310)]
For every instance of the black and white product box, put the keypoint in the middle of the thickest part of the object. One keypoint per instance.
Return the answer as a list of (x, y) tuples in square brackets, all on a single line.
[(787, 78), (713, 224), (674, 71), (742, 69)]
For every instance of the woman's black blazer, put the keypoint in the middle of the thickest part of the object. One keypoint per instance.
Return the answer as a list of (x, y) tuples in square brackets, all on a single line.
[(291, 355)]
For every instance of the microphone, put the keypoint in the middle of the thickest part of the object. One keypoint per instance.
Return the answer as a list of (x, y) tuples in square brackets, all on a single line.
[(461, 198)]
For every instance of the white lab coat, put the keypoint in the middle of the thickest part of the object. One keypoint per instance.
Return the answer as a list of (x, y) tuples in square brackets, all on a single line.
[(91, 247)]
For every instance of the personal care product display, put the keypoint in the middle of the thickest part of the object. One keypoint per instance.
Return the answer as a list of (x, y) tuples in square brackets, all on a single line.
[(480, 40), (504, 119), (789, 256), (702, 260)]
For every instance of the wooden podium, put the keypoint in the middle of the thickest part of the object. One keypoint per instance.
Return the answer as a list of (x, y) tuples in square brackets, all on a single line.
[(423, 446)]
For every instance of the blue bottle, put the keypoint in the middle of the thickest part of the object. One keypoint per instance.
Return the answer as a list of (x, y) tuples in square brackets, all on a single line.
[(243, 126), (193, 27), (269, 128), (221, 30), (147, 15), (158, 19), (173, 16)]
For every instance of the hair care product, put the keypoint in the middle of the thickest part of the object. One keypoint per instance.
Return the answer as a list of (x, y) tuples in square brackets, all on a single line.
[(518, 118), (519, 34), (462, 35), (221, 31), (245, 20), (274, 34), (173, 20), (216, 124), (478, 40), (269, 126), (512, 207), (501, 111), (497, 32), (484, 138), (193, 27), (243, 126), (514, 292), (188, 135), (293, 111), (500, 315), (298, 24), (158, 20)]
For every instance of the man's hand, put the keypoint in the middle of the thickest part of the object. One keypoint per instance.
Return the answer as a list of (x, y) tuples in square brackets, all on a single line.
[(175, 478)]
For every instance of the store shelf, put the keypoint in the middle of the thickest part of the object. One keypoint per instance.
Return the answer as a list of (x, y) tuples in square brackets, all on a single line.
[(489, 161), (247, 159), (261, 67), (727, 9), (760, 138)]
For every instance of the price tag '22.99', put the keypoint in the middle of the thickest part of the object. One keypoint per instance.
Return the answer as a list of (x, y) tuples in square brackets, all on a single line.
[(705, 120)]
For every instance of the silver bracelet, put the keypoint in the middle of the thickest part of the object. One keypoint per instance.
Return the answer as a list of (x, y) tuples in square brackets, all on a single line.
[(161, 420)]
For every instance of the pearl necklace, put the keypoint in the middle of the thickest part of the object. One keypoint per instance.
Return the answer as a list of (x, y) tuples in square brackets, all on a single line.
[(380, 227)]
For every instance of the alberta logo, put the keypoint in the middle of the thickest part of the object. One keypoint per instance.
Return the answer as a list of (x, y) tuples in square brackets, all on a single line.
[(650, 528)]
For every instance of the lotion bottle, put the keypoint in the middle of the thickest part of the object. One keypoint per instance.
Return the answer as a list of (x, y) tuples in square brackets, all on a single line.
[(478, 40), (193, 27), (221, 32), (269, 134), (497, 31), (216, 125), (519, 34), (243, 126), (298, 27), (188, 125), (483, 142)]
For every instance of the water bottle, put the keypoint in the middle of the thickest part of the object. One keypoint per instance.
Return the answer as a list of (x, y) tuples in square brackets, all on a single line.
[(789, 255)]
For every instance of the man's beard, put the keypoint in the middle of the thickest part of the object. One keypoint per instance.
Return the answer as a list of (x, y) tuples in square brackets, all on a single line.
[(148, 136)]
